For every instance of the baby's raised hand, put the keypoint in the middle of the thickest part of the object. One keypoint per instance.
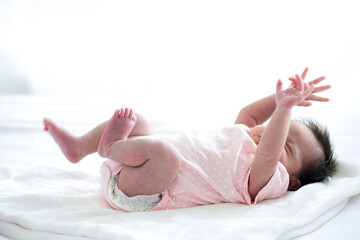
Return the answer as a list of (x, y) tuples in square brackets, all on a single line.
[(294, 95), (312, 97)]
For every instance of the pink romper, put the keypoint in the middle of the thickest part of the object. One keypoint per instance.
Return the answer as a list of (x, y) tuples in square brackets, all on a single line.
[(215, 168)]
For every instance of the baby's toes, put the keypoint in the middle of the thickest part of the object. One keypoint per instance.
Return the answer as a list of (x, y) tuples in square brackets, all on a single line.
[(131, 113), (122, 113), (126, 114)]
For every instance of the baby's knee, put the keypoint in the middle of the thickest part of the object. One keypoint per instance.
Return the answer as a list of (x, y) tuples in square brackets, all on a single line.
[(169, 154)]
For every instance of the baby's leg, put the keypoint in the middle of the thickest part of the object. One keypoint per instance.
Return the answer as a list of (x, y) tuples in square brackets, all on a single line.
[(75, 148), (150, 164), (159, 164)]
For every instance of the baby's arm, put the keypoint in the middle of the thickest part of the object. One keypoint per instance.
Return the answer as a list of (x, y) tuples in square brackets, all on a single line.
[(257, 112), (260, 111), (273, 139)]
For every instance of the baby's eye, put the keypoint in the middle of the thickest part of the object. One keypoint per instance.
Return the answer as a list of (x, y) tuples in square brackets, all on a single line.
[(289, 148)]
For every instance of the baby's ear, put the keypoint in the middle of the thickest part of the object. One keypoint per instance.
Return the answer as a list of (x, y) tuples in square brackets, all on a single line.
[(294, 184)]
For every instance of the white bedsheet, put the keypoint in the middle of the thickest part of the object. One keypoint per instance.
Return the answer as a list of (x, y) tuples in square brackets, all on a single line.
[(42, 196)]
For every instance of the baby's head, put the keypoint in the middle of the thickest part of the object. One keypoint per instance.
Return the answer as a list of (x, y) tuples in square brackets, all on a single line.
[(307, 155), (317, 168)]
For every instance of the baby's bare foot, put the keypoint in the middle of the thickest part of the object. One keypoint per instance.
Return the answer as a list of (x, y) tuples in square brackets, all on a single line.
[(118, 128), (70, 145)]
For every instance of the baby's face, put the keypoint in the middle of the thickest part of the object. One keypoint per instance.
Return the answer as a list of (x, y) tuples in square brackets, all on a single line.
[(300, 149)]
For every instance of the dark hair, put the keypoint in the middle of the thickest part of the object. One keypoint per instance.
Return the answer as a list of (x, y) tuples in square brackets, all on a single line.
[(325, 167)]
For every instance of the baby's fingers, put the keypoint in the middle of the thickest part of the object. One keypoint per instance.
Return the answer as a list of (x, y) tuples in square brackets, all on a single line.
[(303, 75), (293, 81), (309, 91), (305, 104), (322, 88), (317, 98), (316, 81), (279, 86), (299, 83)]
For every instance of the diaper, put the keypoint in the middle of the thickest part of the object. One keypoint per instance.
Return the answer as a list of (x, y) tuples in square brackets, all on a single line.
[(137, 203)]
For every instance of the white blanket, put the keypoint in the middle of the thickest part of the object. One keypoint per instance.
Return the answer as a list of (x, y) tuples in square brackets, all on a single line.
[(47, 202)]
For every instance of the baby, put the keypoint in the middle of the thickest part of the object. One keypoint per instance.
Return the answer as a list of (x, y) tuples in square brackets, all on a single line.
[(243, 163)]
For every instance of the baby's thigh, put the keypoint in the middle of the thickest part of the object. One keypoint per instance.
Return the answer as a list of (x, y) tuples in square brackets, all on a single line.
[(155, 175)]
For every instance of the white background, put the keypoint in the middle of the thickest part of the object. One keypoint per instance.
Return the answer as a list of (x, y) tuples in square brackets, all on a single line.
[(182, 52)]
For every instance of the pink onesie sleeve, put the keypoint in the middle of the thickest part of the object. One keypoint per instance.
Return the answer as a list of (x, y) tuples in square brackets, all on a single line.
[(277, 185)]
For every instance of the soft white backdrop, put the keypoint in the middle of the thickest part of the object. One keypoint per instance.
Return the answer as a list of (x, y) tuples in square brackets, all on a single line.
[(174, 50)]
